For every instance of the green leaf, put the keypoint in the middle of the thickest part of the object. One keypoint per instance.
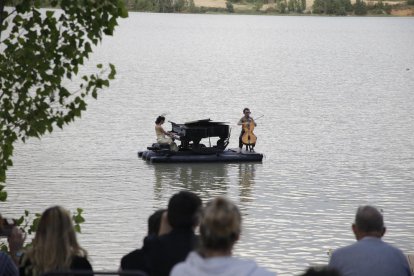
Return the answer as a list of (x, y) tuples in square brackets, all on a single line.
[(122, 10), (112, 74), (49, 14), (3, 196), (20, 220), (77, 228), (17, 19), (88, 48), (2, 175), (4, 248), (5, 26), (35, 224), (79, 219), (37, 4)]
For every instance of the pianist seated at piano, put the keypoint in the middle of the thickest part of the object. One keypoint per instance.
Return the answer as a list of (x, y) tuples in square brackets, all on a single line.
[(164, 137)]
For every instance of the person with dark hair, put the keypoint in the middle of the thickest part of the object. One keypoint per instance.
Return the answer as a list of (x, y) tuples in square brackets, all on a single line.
[(369, 255), (154, 222), (220, 229), (135, 260), (245, 120), (321, 271), (175, 240), (164, 137)]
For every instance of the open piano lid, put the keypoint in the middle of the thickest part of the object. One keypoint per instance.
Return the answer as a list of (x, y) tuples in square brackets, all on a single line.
[(204, 122)]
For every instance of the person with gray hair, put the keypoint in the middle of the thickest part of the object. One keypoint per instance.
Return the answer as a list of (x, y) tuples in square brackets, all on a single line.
[(370, 255), (220, 229)]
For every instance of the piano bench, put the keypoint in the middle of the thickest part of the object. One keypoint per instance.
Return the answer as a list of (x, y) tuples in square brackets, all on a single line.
[(158, 146)]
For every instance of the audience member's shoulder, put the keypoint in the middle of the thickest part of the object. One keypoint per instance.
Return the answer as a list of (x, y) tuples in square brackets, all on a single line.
[(81, 263), (181, 269), (393, 247), (7, 267), (238, 266), (260, 271), (196, 265), (348, 249), (254, 269), (132, 259), (149, 241)]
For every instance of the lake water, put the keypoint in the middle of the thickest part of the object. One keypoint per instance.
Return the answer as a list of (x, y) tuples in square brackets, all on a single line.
[(337, 96)]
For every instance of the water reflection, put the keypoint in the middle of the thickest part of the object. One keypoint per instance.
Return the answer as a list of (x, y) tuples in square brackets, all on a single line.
[(247, 172), (200, 178), (207, 180)]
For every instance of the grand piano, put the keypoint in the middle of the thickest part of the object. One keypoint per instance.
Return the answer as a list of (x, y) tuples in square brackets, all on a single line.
[(191, 133)]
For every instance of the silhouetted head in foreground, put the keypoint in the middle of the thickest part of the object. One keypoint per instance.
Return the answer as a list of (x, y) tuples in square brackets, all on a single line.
[(154, 222), (184, 210)]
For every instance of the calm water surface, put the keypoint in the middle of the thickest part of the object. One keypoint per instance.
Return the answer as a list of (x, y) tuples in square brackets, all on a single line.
[(337, 98)]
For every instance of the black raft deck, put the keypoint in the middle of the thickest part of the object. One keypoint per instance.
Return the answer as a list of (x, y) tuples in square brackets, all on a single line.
[(229, 155)]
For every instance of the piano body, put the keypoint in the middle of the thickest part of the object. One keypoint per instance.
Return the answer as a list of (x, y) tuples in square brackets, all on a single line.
[(196, 130)]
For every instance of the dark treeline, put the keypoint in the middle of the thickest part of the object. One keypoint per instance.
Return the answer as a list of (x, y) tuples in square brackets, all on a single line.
[(344, 7), (163, 6), (322, 7), (327, 7)]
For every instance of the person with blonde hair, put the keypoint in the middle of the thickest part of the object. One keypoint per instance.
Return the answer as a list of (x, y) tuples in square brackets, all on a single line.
[(220, 229), (55, 247)]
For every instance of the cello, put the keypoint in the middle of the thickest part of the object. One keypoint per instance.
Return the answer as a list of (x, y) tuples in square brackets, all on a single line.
[(248, 138)]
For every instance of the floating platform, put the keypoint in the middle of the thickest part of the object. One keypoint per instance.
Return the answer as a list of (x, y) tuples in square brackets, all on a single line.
[(228, 155)]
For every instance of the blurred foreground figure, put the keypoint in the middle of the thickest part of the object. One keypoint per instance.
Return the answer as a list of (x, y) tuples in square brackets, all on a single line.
[(219, 230), (15, 239), (370, 255), (321, 271), (55, 247), (176, 238)]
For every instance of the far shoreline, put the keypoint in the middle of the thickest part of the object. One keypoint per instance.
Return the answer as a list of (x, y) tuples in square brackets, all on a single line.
[(279, 14), (373, 8)]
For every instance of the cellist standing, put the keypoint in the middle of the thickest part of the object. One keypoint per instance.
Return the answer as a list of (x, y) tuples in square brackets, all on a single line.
[(245, 122)]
